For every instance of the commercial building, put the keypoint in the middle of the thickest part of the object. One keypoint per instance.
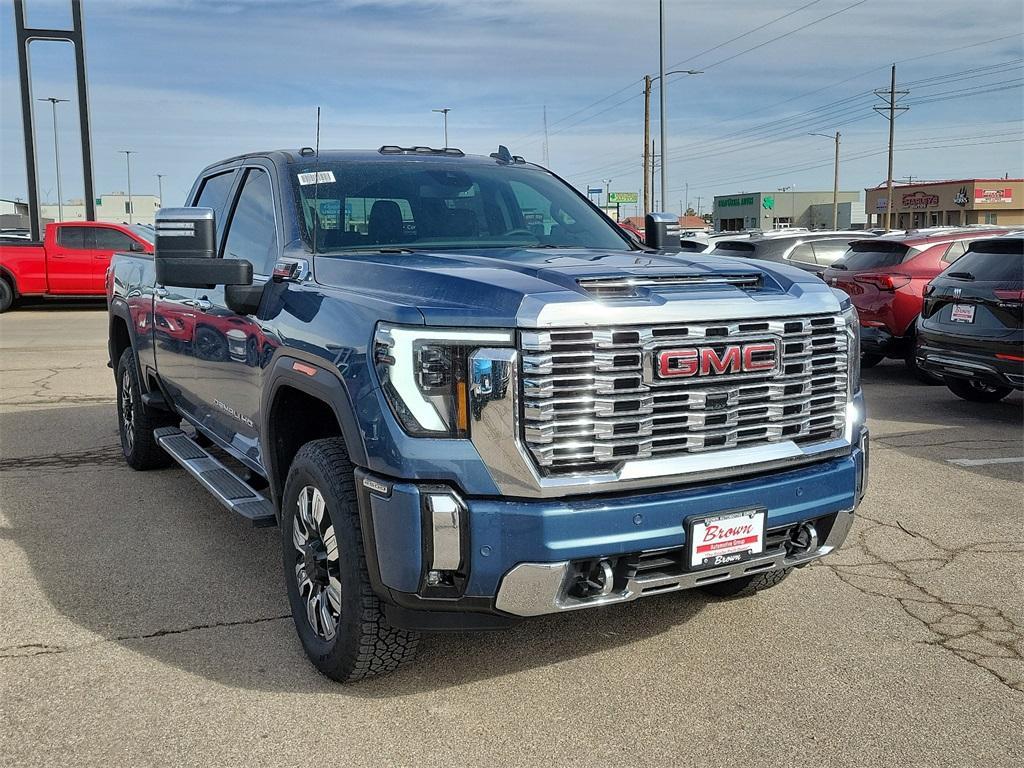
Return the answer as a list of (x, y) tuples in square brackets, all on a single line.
[(775, 210), (949, 203), (112, 208)]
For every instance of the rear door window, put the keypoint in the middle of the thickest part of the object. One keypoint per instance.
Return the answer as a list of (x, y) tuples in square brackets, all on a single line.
[(828, 252), (875, 255), (802, 254), (954, 252), (79, 238)]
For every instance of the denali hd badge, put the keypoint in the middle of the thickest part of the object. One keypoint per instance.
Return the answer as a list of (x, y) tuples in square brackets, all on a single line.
[(757, 357)]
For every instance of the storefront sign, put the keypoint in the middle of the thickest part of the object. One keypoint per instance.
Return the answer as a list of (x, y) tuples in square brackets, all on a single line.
[(993, 195), (768, 202), (735, 202), (622, 197), (881, 204), (919, 200), (960, 198)]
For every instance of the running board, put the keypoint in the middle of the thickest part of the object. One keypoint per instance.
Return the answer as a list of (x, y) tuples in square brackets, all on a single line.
[(230, 490)]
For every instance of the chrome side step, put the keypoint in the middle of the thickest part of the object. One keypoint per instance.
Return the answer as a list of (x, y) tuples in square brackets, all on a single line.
[(229, 489)]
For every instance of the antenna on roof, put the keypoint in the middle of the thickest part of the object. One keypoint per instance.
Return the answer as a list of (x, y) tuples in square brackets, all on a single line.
[(316, 182)]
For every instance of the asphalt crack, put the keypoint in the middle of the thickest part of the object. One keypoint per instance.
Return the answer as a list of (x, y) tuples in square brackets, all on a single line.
[(104, 456), (979, 634), (25, 650)]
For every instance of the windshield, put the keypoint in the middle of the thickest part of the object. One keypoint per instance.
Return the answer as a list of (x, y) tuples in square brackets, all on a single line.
[(418, 204)]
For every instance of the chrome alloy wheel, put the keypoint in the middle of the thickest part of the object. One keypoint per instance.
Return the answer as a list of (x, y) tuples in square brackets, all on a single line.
[(316, 563), (127, 410)]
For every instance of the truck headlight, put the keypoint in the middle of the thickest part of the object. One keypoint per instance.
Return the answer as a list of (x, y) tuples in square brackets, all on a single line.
[(423, 372), (853, 345)]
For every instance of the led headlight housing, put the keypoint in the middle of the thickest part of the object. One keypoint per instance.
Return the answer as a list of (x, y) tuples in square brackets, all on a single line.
[(423, 372), (853, 344)]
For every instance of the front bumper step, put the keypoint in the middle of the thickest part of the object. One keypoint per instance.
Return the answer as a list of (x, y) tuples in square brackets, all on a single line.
[(229, 489)]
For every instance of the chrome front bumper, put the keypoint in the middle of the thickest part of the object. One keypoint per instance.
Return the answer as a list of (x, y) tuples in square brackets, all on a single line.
[(533, 589)]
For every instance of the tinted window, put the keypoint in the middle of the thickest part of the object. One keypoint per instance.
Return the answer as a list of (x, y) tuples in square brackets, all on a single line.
[(423, 203), (75, 237), (829, 251), (1004, 266), (214, 194), (112, 240), (954, 252), (252, 233), (803, 253), (733, 248), (874, 255)]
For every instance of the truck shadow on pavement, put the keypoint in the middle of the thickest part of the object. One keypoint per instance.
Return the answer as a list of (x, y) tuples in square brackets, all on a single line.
[(152, 563)]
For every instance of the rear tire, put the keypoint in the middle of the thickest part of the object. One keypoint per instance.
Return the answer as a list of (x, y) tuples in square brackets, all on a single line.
[(6, 295), (339, 619), (745, 586), (870, 361), (975, 391), (136, 422)]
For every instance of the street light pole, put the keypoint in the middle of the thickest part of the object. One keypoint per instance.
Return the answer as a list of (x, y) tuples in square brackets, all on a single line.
[(128, 162), (607, 189), (56, 154), (648, 153), (160, 187), (835, 180), (444, 114), (661, 99)]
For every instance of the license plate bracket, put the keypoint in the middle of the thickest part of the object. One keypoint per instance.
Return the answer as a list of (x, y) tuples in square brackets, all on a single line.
[(962, 313), (724, 538)]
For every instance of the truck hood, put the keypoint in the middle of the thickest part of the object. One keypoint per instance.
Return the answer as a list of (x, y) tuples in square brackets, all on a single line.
[(535, 288)]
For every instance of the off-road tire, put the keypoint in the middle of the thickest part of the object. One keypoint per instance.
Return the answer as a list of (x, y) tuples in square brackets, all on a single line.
[(976, 392), (140, 448), (6, 295), (364, 644), (745, 586), (870, 361)]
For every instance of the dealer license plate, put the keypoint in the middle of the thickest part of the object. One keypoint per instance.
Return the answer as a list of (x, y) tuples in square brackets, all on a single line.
[(962, 313), (726, 538)]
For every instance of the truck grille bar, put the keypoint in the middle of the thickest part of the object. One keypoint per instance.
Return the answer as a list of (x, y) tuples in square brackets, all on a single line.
[(591, 401)]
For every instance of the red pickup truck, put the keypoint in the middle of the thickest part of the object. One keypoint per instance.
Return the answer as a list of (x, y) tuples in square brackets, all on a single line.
[(72, 260)]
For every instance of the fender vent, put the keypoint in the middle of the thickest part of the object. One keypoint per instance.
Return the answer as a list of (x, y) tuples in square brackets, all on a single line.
[(630, 287)]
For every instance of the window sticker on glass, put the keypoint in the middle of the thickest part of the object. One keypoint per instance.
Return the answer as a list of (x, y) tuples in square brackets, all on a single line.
[(314, 177)]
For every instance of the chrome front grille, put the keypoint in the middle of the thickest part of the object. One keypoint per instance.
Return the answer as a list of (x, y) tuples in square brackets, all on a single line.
[(590, 398)]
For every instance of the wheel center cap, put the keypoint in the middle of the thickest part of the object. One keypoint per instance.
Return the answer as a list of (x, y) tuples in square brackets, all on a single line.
[(314, 562)]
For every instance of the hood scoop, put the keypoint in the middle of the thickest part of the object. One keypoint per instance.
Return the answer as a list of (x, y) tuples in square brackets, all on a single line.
[(619, 287)]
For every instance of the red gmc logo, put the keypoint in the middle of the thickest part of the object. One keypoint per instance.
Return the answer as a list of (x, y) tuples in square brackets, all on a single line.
[(756, 357)]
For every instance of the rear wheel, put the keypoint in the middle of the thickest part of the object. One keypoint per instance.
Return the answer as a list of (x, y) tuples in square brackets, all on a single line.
[(870, 361), (136, 421), (976, 391), (6, 295), (746, 586), (337, 615)]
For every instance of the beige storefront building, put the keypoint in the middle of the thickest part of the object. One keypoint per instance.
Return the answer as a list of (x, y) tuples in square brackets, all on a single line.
[(949, 203)]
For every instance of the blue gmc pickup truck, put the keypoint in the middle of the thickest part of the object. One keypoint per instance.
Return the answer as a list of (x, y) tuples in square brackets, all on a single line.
[(466, 397)]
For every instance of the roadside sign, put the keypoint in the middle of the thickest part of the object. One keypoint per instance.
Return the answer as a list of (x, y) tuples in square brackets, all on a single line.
[(594, 190), (623, 197)]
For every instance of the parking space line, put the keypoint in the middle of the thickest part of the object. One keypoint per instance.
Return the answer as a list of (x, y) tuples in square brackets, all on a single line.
[(983, 462)]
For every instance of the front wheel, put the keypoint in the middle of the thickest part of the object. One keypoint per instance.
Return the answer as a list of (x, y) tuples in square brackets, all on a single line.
[(337, 615), (976, 391)]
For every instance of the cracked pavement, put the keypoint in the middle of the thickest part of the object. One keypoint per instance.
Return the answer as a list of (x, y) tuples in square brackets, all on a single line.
[(141, 624)]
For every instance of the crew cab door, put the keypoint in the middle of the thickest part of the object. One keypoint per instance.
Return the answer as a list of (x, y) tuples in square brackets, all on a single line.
[(69, 260), (230, 348)]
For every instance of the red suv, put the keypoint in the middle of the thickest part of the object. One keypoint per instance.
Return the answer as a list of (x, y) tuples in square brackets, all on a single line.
[(885, 277)]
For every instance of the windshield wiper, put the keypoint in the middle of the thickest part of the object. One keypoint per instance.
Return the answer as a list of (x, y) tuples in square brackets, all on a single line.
[(840, 266), (962, 275)]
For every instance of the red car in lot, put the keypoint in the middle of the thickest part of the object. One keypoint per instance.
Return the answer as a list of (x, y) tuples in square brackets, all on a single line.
[(886, 277), (72, 260)]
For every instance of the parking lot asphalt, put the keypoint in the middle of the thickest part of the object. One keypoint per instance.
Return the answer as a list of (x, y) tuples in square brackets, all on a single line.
[(142, 624)]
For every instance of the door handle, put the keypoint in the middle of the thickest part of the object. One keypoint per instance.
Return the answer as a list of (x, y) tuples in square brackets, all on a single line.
[(203, 305)]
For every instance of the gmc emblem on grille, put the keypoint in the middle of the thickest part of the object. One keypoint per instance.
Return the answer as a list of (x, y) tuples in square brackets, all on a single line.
[(728, 359)]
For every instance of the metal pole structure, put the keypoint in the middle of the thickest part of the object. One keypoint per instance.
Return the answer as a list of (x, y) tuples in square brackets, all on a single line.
[(607, 189), (128, 162), (444, 114), (647, 144), (56, 154), (547, 155), (835, 189), (661, 98), (892, 139), (160, 187)]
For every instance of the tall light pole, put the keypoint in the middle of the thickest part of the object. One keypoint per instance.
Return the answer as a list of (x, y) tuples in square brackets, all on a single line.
[(648, 154), (128, 162), (835, 181), (160, 187), (56, 154), (444, 113), (661, 99)]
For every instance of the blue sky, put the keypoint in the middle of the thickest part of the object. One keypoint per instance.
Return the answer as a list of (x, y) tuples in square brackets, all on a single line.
[(184, 83)]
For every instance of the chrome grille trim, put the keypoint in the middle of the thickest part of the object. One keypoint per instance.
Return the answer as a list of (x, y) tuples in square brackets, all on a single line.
[(588, 396)]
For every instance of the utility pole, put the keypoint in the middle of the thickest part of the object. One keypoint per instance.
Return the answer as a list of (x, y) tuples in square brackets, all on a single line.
[(160, 187), (547, 158), (892, 109), (698, 205), (661, 99), (56, 154), (647, 144), (835, 180), (128, 162), (444, 113), (686, 197), (607, 189)]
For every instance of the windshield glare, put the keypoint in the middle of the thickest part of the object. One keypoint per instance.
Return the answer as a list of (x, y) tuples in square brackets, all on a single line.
[(426, 205)]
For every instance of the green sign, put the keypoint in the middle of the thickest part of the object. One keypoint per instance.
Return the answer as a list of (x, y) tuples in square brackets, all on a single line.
[(623, 197), (768, 202), (735, 202)]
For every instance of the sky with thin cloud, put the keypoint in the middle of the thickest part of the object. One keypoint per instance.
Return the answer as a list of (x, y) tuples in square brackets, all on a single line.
[(184, 83)]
